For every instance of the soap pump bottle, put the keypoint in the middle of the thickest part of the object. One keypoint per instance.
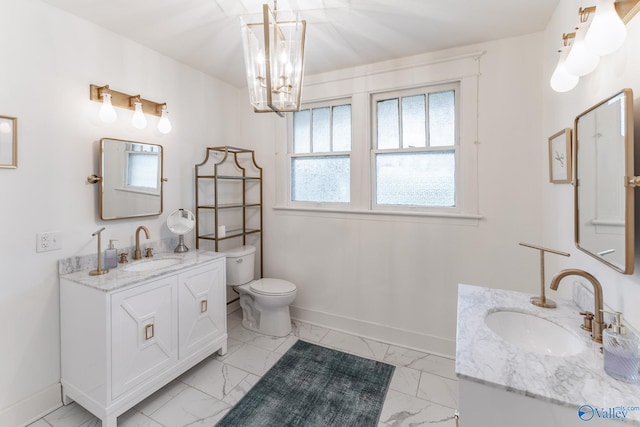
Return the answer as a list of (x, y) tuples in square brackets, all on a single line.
[(620, 351), (111, 255)]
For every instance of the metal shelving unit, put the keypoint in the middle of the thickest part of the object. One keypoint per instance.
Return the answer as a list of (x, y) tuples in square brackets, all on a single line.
[(225, 172)]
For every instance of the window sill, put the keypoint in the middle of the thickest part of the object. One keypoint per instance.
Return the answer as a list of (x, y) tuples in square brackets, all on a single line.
[(456, 218)]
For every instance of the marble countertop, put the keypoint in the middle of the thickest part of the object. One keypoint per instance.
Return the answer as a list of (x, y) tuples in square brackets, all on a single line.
[(483, 356), (118, 278)]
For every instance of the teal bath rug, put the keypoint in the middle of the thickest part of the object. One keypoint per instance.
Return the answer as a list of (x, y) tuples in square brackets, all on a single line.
[(314, 386)]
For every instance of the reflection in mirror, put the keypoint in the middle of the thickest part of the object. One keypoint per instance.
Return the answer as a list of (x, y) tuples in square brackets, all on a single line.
[(131, 179), (8, 142), (604, 189)]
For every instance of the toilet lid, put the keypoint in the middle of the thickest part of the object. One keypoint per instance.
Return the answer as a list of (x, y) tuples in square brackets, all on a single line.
[(272, 287)]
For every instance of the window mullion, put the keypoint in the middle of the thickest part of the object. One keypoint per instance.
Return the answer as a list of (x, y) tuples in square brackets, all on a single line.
[(400, 127), (427, 134)]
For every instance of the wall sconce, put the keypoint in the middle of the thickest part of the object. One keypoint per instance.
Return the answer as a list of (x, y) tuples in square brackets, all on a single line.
[(603, 35), (274, 60), (140, 106)]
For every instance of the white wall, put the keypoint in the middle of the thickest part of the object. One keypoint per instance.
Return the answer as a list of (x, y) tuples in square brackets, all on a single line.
[(395, 278), (49, 58), (615, 72)]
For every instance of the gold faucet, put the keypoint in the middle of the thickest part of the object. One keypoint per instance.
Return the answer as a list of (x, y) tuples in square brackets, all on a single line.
[(598, 323), (137, 254)]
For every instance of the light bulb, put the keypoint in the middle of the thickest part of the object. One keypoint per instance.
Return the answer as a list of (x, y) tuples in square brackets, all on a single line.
[(580, 60), (164, 125), (107, 112), (607, 32), (561, 79), (138, 120)]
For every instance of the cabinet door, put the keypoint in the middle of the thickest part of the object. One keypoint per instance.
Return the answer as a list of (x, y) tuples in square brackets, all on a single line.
[(202, 307), (144, 333)]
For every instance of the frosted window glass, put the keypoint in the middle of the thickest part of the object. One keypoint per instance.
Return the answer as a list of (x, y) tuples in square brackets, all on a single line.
[(442, 119), (302, 131), (388, 127), (143, 169), (320, 179), (321, 130), (342, 128), (416, 179), (414, 117)]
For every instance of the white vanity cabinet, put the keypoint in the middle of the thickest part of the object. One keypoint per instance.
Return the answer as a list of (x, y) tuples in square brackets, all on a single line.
[(123, 337)]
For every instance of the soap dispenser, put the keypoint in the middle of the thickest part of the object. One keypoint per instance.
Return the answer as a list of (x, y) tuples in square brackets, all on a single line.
[(111, 256), (620, 351)]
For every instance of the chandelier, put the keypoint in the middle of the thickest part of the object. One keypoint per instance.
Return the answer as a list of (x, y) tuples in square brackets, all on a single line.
[(274, 59)]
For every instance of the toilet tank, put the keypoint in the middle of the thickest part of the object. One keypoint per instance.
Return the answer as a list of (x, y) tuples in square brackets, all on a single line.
[(240, 262)]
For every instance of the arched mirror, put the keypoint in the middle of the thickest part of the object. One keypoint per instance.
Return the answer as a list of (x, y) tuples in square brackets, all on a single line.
[(131, 179), (604, 181)]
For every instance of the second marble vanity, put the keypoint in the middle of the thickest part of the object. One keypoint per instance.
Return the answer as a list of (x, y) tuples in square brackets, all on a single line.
[(550, 373), (127, 333)]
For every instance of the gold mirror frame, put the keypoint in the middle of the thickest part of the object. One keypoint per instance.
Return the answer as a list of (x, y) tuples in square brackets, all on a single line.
[(8, 142), (119, 198), (606, 225)]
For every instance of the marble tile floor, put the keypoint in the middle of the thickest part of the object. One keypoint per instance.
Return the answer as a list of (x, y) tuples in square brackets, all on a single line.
[(423, 390)]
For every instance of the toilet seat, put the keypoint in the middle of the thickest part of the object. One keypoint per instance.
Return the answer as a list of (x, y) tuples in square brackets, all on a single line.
[(272, 287)]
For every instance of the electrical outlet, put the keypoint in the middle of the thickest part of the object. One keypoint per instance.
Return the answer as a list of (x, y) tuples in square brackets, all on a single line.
[(48, 241)]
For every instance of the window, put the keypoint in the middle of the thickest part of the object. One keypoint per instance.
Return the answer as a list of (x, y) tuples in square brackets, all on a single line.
[(408, 143), (415, 148), (320, 157)]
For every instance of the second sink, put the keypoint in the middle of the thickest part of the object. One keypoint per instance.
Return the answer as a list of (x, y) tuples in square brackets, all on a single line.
[(154, 264), (533, 333)]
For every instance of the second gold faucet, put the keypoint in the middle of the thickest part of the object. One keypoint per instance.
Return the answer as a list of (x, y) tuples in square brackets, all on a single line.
[(137, 253)]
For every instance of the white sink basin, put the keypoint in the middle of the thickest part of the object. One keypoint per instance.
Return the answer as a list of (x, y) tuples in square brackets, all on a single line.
[(154, 264), (533, 333)]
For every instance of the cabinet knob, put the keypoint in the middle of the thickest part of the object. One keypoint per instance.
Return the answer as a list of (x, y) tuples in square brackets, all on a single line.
[(203, 306)]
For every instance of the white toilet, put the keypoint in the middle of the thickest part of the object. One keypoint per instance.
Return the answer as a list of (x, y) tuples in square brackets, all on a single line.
[(264, 302)]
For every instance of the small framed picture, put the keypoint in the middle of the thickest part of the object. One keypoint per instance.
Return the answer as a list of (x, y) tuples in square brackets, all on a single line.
[(8, 142), (560, 157)]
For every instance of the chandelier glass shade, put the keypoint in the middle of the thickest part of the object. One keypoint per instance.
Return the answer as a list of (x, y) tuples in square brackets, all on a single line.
[(274, 59)]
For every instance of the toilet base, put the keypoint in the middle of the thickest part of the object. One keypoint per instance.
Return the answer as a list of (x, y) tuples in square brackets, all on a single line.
[(276, 323)]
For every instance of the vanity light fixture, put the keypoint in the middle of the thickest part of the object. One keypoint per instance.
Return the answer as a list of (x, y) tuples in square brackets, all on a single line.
[(274, 59), (110, 98), (599, 36)]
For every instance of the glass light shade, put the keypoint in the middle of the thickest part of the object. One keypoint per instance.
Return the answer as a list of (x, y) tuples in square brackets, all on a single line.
[(138, 120), (274, 59), (607, 32), (561, 79), (164, 125), (107, 112), (580, 60)]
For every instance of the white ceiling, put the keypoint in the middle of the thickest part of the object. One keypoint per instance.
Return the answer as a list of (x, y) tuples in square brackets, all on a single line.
[(205, 34)]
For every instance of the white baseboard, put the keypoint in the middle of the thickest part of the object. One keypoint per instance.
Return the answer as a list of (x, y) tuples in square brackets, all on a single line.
[(32, 408), (388, 334)]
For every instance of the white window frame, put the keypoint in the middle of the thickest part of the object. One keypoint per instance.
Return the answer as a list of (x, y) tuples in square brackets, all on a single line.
[(399, 94), (358, 85), (291, 155)]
